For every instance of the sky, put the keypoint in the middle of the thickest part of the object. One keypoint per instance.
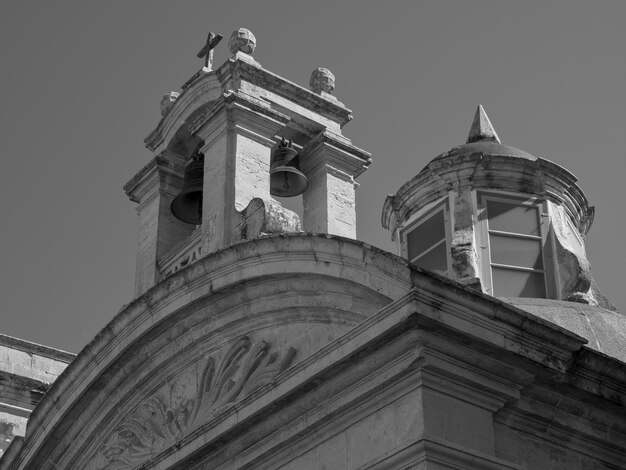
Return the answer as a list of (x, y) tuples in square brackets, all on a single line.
[(81, 84)]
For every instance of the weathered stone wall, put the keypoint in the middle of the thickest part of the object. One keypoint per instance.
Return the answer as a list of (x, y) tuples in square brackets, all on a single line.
[(154, 188), (234, 116), (381, 429), (26, 372), (310, 352), (11, 424)]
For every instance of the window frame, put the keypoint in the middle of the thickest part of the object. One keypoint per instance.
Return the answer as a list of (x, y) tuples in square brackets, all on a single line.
[(484, 243), (441, 206)]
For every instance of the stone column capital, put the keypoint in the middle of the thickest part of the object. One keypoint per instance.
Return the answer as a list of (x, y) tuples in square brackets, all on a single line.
[(162, 173), (335, 151)]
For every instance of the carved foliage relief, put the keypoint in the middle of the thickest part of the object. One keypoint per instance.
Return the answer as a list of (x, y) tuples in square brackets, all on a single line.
[(189, 400)]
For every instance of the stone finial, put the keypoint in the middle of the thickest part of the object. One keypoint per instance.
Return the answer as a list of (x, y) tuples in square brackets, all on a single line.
[(242, 40), (481, 128), (322, 80), (167, 101)]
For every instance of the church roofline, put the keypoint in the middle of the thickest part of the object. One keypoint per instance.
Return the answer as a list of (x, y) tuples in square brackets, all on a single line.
[(224, 268), (234, 76), (238, 69), (529, 336)]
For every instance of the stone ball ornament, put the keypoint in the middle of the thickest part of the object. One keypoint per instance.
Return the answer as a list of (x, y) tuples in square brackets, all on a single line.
[(322, 80), (242, 40), (167, 101)]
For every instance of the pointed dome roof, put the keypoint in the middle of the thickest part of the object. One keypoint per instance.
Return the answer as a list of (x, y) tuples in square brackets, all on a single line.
[(483, 139), (481, 128), (484, 163)]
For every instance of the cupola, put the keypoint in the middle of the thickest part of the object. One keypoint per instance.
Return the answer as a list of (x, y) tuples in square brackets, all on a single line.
[(498, 219)]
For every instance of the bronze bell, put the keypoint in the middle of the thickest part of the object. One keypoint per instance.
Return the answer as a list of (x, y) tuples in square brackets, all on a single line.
[(187, 205), (286, 179)]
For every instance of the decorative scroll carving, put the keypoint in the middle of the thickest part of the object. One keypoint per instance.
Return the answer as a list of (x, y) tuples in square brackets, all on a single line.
[(187, 258), (198, 120), (190, 400), (185, 253)]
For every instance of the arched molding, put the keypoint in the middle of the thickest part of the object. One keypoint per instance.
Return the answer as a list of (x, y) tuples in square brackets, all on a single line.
[(187, 106), (265, 285), (281, 312)]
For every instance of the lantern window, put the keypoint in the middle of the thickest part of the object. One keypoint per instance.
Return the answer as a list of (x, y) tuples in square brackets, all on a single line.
[(426, 242), (514, 247)]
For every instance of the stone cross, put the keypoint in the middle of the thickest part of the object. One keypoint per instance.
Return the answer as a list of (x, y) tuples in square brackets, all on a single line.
[(207, 50)]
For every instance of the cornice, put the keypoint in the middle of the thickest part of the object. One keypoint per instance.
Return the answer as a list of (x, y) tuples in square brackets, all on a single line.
[(21, 383), (131, 186), (227, 80), (34, 348), (337, 151), (476, 171), (484, 317), (236, 69), (601, 375), (158, 170), (569, 420)]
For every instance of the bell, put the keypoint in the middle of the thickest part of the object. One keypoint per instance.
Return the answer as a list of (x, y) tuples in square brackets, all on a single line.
[(286, 179), (187, 205)]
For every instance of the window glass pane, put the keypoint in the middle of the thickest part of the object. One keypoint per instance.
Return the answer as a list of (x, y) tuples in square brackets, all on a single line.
[(511, 283), (513, 218), (516, 251), (425, 235), (435, 260)]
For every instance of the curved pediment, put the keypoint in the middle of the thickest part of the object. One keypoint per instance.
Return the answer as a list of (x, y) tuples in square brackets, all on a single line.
[(175, 362), (196, 99), (186, 401)]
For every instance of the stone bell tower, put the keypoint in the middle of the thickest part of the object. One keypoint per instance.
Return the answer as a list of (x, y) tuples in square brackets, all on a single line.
[(233, 118), (498, 219)]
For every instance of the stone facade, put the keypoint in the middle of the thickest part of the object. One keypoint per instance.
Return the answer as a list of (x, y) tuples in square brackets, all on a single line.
[(253, 345), (308, 352), (235, 116), (26, 372)]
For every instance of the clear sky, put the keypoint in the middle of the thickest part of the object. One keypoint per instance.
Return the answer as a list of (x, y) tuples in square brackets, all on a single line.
[(81, 84)]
